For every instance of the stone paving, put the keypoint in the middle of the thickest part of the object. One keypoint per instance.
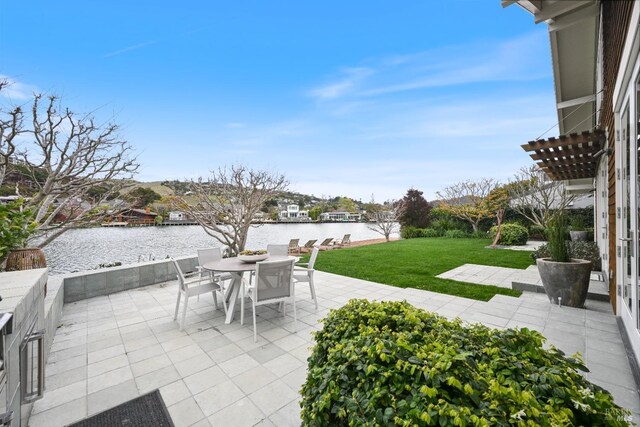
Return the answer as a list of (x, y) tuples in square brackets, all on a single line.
[(111, 349)]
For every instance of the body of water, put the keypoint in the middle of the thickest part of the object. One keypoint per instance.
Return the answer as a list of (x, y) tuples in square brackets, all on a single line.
[(85, 249)]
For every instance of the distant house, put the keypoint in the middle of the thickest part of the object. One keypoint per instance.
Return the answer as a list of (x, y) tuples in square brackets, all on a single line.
[(340, 216), (292, 213), (177, 216), (135, 217)]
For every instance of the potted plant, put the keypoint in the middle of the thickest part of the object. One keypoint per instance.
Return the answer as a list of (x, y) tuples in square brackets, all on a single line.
[(16, 226), (565, 280), (578, 233)]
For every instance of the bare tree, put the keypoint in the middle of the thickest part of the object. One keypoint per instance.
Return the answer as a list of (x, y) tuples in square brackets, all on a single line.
[(469, 201), (536, 197), (384, 218), (74, 163), (227, 202), (11, 126)]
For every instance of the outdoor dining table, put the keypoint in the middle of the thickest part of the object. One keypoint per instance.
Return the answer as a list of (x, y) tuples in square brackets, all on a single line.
[(237, 268)]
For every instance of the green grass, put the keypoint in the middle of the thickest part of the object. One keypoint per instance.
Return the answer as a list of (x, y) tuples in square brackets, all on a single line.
[(414, 263)]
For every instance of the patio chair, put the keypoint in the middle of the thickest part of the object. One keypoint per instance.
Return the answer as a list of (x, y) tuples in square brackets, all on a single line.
[(303, 272), (293, 246), (211, 255), (195, 284), (278, 250), (273, 284), (345, 241), (308, 246), (326, 243)]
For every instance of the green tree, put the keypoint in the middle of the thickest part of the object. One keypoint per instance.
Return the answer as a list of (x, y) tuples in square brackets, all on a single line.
[(140, 197), (315, 212), (413, 210), (16, 225), (470, 201)]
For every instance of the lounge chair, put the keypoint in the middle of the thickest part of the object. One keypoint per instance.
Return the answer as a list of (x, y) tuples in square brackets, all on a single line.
[(308, 246), (293, 246), (326, 243), (346, 241)]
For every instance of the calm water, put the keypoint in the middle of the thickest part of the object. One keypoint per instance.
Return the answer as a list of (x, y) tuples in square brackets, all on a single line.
[(84, 249)]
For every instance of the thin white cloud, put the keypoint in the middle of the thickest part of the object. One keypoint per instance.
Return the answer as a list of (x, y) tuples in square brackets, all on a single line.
[(488, 61), (16, 90), (129, 49), (349, 80)]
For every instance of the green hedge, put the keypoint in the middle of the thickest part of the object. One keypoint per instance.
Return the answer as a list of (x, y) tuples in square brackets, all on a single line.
[(510, 234), (389, 363)]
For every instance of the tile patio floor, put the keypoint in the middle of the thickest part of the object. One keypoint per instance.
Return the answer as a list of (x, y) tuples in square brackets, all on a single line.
[(111, 349)]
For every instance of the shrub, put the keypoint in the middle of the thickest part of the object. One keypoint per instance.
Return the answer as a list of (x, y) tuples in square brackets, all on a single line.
[(16, 225), (455, 234), (409, 232), (511, 234), (536, 232), (579, 250), (431, 232), (557, 235), (389, 363)]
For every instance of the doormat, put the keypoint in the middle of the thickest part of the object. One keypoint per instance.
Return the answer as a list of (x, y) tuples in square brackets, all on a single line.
[(144, 411)]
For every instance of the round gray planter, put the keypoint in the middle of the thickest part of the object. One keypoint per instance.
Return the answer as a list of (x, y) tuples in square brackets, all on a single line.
[(566, 280), (578, 236)]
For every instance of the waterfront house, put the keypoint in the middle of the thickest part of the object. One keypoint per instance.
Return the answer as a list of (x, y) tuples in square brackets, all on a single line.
[(339, 216), (595, 49), (135, 217), (292, 213)]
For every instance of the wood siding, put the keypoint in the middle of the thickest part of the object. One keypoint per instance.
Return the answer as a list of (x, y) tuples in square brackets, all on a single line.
[(615, 23)]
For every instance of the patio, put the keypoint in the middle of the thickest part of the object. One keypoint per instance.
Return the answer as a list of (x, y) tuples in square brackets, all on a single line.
[(110, 349)]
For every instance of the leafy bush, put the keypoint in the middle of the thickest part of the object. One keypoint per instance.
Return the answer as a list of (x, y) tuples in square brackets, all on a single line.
[(430, 232), (409, 232), (389, 363), (579, 250), (16, 225), (536, 232), (511, 234), (455, 234)]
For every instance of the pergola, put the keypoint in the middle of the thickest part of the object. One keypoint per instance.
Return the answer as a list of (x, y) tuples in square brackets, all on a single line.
[(566, 157)]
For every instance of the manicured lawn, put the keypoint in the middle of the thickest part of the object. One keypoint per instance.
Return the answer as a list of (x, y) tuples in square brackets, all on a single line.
[(414, 263)]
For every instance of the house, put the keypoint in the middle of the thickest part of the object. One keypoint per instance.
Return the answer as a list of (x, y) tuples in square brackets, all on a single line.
[(292, 213), (595, 49), (339, 216), (135, 217), (177, 216)]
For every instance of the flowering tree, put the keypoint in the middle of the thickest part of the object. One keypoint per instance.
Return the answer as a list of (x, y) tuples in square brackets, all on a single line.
[(469, 200), (384, 218)]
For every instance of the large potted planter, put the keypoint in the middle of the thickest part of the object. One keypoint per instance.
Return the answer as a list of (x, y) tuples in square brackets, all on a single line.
[(565, 280), (578, 232)]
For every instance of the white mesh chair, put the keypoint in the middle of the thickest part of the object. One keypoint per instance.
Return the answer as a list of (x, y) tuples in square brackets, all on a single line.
[(190, 285), (303, 273), (273, 284), (211, 255), (278, 250)]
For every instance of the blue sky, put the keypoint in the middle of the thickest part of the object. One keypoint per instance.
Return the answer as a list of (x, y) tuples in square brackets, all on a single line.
[(345, 98)]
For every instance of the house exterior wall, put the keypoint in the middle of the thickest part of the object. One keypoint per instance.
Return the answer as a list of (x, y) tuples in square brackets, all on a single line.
[(615, 18)]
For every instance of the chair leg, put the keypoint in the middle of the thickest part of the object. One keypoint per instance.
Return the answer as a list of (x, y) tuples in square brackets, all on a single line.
[(255, 327), (184, 311), (312, 288), (215, 298), (295, 318), (224, 301), (242, 306), (175, 316)]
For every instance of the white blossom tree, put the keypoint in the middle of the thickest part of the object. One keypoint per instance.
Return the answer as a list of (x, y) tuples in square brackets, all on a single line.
[(384, 218), (536, 197)]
